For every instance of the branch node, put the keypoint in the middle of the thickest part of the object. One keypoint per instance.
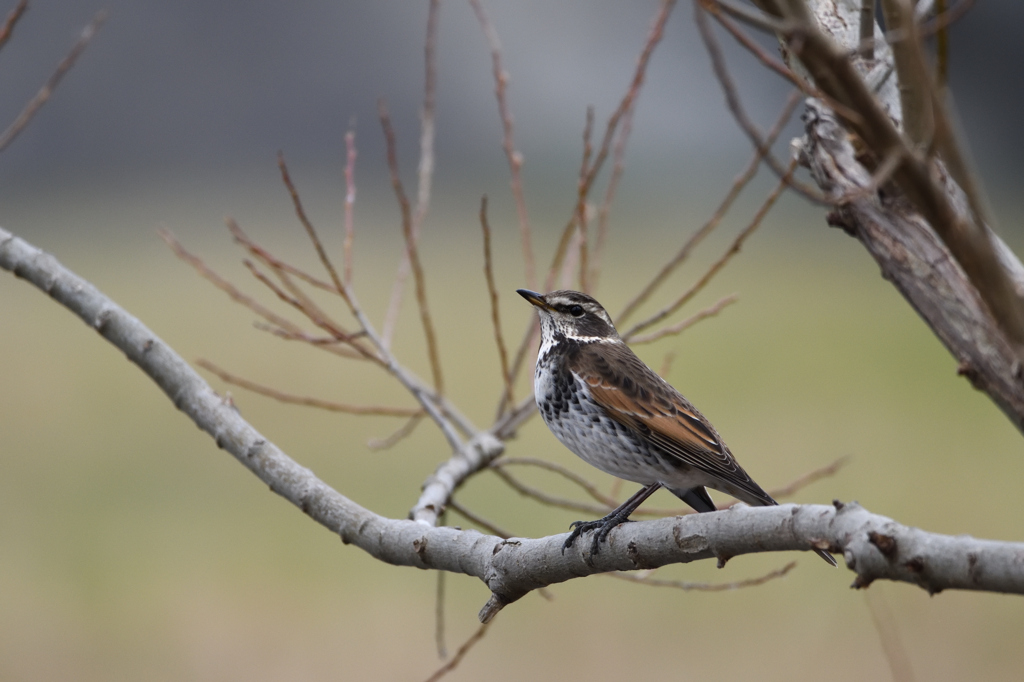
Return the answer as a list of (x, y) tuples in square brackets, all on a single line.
[(886, 544)]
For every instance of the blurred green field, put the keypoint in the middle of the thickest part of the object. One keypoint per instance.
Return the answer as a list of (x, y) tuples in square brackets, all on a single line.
[(132, 548)]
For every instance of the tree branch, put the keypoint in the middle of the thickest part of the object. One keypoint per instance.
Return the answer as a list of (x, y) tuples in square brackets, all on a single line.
[(874, 547)]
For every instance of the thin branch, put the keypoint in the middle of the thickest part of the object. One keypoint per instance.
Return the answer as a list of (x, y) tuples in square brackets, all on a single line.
[(272, 261), (330, 406), (478, 520), (12, 18), (733, 249), (426, 168), (663, 372), (403, 431), (460, 654), (739, 113), (350, 200), (645, 579), (626, 104), (809, 478), (301, 302), (889, 636), (227, 287), (654, 36), (444, 414), (941, 49), (300, 212), (550, 500), (41, 97), (515, 159), (411, 249), (492, 289), (425, 175), (683, 325), (738, 184), (326, 343), (572, 476), (867, 29), (582, 192), (618, 168), (773, 64)]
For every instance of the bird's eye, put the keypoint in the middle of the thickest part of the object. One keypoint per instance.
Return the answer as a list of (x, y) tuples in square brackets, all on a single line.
[(576, 310)]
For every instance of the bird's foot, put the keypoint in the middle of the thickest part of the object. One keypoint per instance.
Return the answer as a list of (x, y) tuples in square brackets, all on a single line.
[(601, 528)]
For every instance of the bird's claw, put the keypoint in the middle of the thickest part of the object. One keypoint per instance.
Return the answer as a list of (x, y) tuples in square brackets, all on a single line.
[(601, 527)]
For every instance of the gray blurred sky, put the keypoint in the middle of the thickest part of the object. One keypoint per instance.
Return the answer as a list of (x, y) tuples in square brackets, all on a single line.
[(192, 87)]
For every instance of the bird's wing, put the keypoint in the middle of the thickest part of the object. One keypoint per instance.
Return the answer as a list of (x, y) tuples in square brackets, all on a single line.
[(636, 397)]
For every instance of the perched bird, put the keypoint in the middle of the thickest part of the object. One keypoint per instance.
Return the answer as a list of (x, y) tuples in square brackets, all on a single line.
[(616, 413)]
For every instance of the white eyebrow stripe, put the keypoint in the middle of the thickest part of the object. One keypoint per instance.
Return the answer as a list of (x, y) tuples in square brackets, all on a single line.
[(592, 339)]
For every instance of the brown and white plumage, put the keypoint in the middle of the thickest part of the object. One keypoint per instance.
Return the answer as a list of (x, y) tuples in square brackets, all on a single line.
[(616, 413)]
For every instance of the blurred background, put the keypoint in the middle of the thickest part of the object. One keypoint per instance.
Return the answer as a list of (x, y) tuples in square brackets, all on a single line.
[(132, 548)]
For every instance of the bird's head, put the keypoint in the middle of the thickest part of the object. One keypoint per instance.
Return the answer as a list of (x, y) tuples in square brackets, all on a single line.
[(572, 314)]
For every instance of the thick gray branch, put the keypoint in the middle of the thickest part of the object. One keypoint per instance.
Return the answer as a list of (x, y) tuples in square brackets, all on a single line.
[(900, 234), (874, 547)]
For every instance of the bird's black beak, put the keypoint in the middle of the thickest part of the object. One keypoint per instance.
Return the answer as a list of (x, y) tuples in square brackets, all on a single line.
[(534, 298)]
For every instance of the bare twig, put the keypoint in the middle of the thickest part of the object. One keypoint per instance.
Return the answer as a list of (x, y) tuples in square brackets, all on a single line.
[(889, 636), (551, 500), (330, 406), (350, 200), (299, 300), (773, 64), (41, 97), (809, 478), (426, 168), (327, 343), (412, 250), (272, 261), (515, 159), (572, 476), (227, 287), (425, 175), (915, 85), (683, 325), (739, 113), (645, 579), (403, 431), (582, 193), (444, 414), (626, 104), (300, 212), (460, 654), (733, 249), (618, 167), (941, 49), (492, 289), (738, 184), (478, 520), (663, 371), (11, 20), (867, 29)]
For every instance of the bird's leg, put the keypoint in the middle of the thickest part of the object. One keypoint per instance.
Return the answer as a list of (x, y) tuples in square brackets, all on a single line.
[(604, 526)]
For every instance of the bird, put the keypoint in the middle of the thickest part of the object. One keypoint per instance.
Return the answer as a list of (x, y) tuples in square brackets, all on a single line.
[(617, 414)]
